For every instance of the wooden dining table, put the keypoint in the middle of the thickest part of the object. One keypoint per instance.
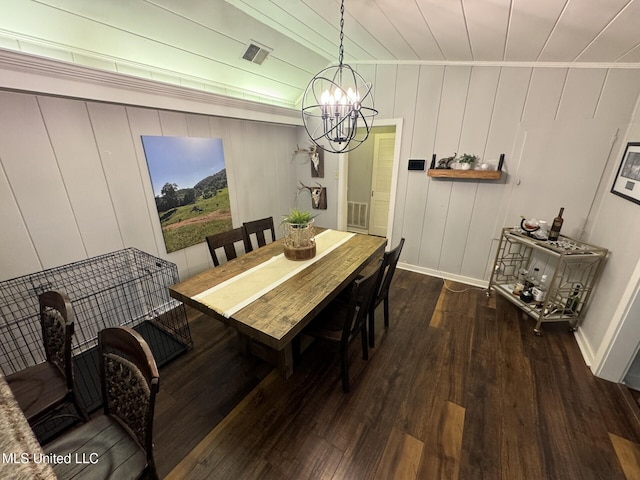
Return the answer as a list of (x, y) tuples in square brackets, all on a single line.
[(273, 318), (21, 454)]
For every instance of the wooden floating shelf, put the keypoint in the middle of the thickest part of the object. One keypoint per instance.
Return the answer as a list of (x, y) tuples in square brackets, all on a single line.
[(471, 174)]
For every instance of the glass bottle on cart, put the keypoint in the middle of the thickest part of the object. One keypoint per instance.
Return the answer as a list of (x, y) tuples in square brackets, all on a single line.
[(554, 233)]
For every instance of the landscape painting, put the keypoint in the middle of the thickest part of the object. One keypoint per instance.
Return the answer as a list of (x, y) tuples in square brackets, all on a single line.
[(189, 180)]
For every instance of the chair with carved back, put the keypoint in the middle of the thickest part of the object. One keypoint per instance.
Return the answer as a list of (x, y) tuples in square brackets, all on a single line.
[(228, 240), (389, 263), (258, 228), (119, 443), (44, 390), (342, 322)]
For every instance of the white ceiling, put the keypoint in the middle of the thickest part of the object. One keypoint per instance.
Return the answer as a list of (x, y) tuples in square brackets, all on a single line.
[(199, 43)]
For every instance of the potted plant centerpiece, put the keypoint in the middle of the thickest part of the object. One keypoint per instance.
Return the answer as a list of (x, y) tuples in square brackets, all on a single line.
[(299, 240), (466, 161)]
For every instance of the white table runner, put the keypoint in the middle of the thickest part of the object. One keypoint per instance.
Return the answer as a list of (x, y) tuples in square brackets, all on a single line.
[(236, 293)]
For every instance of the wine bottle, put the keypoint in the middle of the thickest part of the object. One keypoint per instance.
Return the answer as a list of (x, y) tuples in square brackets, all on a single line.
[(554, 233)]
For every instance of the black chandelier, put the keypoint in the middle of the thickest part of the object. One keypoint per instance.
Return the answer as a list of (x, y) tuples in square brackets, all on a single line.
[(336, 102)]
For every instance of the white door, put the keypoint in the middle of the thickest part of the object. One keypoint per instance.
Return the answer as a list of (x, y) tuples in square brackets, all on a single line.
[(381, 183)]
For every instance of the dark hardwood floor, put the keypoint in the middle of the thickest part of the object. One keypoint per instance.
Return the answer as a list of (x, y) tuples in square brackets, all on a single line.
[(457, 388)]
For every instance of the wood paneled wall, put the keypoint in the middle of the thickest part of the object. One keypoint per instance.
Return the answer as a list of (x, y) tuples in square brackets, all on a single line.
[(562, 131), (612, 320), (74, 181), (556, 127)]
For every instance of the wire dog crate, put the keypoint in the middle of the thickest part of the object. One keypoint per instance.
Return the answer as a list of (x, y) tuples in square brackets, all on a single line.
[(127, 287)]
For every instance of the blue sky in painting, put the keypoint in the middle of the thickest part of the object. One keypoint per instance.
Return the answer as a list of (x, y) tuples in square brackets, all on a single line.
[(181, 160)]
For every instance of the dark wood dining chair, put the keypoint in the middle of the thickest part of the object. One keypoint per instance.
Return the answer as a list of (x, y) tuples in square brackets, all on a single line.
[(258, 228), (228, 240), (119, 443), (342, 322), (389, 262), (45, 389)]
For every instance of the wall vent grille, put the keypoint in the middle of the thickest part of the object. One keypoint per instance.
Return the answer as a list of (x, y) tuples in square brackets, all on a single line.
[(256, 53), (357, 214)]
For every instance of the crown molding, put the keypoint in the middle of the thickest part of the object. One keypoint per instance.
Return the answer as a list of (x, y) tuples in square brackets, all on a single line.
[(35, 74)]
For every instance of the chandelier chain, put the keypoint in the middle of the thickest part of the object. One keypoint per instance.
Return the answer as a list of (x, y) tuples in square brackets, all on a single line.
[(341, 51)]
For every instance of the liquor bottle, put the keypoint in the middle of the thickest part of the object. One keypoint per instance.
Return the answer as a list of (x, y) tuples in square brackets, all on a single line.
[(573, 301), (526, 296), (519, 285), (532, 280), (540, 290), (556, 226)]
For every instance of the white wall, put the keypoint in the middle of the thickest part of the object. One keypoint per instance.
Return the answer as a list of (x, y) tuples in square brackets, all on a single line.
[(73, 181), (613, 323), (555, 126), (562, 130)]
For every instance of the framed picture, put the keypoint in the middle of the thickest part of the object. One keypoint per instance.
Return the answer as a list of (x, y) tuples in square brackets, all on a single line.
[(189, 180), (627, 181)]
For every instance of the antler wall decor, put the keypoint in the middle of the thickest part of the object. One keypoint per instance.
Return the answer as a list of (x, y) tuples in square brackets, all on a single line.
[(316, 158), (318, 195)]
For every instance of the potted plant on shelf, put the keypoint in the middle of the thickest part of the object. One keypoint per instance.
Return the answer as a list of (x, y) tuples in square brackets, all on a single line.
[(299, 241), (466, 161)]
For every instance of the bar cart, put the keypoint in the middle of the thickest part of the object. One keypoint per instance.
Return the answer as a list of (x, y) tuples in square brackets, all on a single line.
[(572, 268)]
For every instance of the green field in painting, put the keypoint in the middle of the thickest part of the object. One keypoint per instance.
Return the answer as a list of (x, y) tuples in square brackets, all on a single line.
[(190, 224)]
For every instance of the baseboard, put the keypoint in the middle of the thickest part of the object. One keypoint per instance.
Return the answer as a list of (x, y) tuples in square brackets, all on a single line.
[(444, 275), (585, 349)]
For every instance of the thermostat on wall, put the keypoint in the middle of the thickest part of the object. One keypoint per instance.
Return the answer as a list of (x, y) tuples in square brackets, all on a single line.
[(416, 165)]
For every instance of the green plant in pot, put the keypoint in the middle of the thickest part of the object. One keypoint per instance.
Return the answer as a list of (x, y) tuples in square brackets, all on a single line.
[(467, 160), (298, 217), (299, 240)]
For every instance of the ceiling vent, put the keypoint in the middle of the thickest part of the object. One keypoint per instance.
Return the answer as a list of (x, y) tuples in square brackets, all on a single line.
[(256, 53)]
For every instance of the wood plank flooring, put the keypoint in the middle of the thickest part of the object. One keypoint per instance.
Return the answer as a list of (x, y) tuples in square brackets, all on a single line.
[(457, 388)]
